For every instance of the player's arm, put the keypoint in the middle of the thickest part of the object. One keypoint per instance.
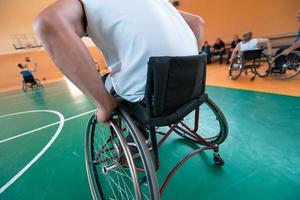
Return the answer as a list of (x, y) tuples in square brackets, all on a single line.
[(235, 51), (196, 23), (60, 27), (265, 42), (296, 45)]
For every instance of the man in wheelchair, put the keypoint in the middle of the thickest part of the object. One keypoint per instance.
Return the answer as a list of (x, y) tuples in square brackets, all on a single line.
[(152, 53), (249, 43), (282, 55), (128, 34), (28, 79), (248, 55)]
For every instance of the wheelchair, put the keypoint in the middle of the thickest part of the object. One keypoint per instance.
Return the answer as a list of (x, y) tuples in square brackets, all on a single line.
[(250, 60), (286, 67), (122, 156), (30, 82)]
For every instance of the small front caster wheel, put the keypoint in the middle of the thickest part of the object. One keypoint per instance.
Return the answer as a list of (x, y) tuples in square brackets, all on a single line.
[(218, 160)]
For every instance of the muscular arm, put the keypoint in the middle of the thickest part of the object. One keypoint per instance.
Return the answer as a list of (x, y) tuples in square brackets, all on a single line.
[(294, 46), (265, 42), (60, 27), (196, 23), (235, 51)]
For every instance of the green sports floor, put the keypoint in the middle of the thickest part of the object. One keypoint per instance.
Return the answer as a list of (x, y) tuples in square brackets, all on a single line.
[(42, 153)]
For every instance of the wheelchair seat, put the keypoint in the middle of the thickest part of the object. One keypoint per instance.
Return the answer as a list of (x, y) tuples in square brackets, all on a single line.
[(175, 87), (252, 54)]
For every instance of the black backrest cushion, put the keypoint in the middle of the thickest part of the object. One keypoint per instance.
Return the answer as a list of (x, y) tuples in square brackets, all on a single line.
[(252, 54), (173, 82)]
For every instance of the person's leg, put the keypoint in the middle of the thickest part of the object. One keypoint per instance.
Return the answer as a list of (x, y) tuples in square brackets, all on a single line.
[(208, 57), (229, 56), (221, 57), (212, 55)]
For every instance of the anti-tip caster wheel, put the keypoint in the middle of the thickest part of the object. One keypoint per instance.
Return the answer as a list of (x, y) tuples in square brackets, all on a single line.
[(218, 160)]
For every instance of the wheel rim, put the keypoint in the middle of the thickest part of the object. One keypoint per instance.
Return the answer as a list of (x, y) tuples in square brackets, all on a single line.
[(212, 124), (289, 66), (262, 67), (112, 171), (235, 68)]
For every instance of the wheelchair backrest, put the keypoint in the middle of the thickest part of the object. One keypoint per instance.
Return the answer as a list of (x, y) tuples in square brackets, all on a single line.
[(252, 54), (27, 76), (173, 82)]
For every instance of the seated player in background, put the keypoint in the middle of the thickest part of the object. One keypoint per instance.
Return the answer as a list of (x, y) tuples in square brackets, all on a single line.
[(218, 49), (296, 44), (206, 49), (126, 32), (26, 72), (281, 60), (249, 43)]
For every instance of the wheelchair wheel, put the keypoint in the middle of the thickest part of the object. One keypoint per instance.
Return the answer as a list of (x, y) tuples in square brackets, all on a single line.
[(236, 68), (262, 69), (24, 86), (37, 84), (208, 122), (116, 168), (290, 66)]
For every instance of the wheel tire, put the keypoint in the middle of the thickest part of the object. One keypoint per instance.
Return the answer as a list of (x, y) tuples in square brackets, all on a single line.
[(263, 72), (236, 68), (97, 185), (209, 112), (39, 84), (291, 66), (24, 86)]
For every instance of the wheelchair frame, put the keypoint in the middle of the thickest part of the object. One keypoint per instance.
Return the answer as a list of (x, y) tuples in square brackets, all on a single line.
[(132, 113), (239, 64), (31, 82)]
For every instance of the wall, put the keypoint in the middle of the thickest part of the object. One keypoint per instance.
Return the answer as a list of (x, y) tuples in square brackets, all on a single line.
[(16, 16), (223, 17), (10, 77), (227, 17)]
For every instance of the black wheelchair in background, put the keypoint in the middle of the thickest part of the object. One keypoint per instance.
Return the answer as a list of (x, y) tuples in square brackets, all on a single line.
[(30, 82), (254, 60), (286, 67), (122, 156)]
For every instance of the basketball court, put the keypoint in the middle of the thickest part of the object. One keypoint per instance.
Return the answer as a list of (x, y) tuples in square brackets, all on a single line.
[(43, 129)]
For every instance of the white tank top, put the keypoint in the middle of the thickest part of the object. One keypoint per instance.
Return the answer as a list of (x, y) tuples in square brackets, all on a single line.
[(250, 45), (128, 32)]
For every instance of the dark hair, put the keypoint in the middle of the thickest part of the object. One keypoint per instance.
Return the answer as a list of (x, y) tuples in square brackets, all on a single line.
[(20, 66)]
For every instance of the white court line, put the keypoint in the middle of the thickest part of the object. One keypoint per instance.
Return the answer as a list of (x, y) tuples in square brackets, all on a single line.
[(41, 128), (22, 171), (82, 114), (61, 122)]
